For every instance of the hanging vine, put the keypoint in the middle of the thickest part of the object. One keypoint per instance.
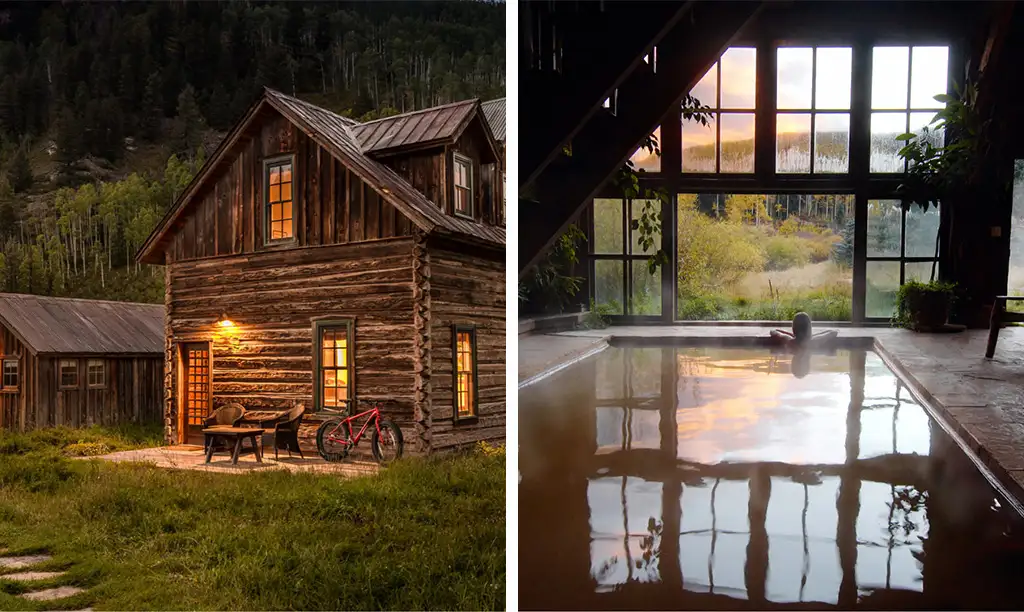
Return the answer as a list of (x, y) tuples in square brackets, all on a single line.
[(649, 223)]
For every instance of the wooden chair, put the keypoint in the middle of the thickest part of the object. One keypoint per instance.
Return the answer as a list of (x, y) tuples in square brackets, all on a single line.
[(227, 415), (286, 432), (1000, 316)]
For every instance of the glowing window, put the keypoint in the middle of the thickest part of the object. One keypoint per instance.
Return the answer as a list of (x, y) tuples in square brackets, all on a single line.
[(280, 212), (465, 373), (335, 355)]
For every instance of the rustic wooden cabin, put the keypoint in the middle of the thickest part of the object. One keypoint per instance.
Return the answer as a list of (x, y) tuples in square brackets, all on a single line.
[(79, 362), (318, 260), (494, 110)]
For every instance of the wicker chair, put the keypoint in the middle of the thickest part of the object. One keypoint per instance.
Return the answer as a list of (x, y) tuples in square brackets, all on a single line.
[(227, 415), (286, 433)]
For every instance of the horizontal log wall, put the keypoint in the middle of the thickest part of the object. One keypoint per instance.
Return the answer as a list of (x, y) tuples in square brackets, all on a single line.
[(266, 359), (331, 204), (467, 289)]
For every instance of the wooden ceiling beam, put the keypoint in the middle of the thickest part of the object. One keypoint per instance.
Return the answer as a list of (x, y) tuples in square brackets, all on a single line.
[(606, 141)]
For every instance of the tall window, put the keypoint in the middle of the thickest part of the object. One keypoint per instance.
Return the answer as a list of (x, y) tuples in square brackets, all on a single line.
[(463, 186), (464, 369), (813, 102), (335, 365), (623, 284), (96, 374), (280, 212), (900, 248), (68, 373), (727, 143), (904, 83), (9, 376)]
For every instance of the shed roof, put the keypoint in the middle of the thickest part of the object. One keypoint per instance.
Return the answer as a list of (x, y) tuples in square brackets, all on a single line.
[(495, 112), (72, 326), (420, 128)]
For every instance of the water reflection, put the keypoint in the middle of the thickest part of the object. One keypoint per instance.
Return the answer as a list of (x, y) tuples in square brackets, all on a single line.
[(720, 478)]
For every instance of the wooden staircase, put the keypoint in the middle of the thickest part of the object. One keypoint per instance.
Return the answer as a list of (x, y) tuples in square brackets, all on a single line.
[(578, 54)]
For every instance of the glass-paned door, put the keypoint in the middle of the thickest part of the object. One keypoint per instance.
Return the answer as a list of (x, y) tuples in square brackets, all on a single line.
[(901, 247), (197, 399)]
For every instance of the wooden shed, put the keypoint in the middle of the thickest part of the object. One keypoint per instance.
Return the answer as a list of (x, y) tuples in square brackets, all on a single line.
[(79, 362), (318, 260)]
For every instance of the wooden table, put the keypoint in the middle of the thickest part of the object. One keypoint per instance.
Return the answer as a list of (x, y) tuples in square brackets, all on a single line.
[(235, 435), (263, 418)]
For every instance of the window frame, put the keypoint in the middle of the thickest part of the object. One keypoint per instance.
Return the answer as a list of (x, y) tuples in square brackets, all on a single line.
[(318, 328), (4, 362), (475, 358), (89, 364), (458, 158), (60, 374), (268, 163)]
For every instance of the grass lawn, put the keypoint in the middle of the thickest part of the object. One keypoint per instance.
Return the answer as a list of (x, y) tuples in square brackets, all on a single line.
[(423, 534)]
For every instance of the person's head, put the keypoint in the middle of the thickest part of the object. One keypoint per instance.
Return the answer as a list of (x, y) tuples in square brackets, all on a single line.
[(802, 326)]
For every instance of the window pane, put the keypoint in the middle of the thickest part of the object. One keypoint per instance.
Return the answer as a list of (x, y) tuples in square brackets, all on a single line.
[(341, 357), (889, 75), (833, 78), (883, 279), (286, 173), (330, 378), (330, 397), (647, 161), (286, 192), (737, 142), (793, 143), (928, 76), (637, 207), (832, 143), (922, 229), (883, 232), (795, 66), (286, 211), (328, 358), (608, 290), (274, 194), (739, 77), (918, 271), (885, 127), (1015, 279), (698, 146), (646, 298), (706, 89), (608, 230), (920, 121), (275, 175)]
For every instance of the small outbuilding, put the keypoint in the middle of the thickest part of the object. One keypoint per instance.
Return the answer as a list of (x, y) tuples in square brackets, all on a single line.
[(79, 362)]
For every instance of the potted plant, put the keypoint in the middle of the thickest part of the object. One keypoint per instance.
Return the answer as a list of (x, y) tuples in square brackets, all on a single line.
[(924, 306), (954, 173)]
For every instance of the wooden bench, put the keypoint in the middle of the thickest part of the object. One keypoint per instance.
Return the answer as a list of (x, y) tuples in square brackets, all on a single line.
[(1000, 316), (234, 436)]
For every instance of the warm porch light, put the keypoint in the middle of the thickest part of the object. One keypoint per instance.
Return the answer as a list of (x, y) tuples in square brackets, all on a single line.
[(224, 321)]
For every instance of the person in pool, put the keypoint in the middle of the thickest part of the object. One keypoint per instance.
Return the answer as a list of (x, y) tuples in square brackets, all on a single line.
[(802, 335)]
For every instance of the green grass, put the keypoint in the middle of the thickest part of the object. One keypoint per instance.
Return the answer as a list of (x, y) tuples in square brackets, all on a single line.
[(423, 534), (823, 304)]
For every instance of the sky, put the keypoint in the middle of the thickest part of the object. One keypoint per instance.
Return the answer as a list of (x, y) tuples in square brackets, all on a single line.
[(890, 68)]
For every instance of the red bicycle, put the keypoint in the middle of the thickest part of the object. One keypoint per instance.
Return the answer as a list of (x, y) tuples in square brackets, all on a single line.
[(335, 438)]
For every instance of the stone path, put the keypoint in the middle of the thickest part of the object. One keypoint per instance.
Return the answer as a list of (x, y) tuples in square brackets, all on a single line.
[(25, 561), (982, 400)]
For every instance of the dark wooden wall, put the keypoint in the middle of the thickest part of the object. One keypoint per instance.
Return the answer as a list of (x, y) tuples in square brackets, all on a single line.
[(133, 393), (332, 205), (467, 289), (14, 405), (486, 176), (266, 359)]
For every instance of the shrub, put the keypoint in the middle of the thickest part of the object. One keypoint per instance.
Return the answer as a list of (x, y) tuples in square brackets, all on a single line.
[(714, 254), (784, 252)]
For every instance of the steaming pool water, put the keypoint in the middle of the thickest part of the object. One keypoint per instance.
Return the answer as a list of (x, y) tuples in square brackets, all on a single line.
[(734, 478)]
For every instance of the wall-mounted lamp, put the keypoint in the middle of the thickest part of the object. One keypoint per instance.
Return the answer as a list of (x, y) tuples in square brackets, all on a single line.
[(224, 321)]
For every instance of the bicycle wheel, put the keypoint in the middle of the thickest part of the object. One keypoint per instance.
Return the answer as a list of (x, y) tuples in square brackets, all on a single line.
[(388, 444), (332, 440)]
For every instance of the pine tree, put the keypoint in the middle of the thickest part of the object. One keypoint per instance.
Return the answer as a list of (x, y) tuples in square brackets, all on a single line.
[(19, 172), (70, 138), (152, 112), (189, 123), (842, 252)]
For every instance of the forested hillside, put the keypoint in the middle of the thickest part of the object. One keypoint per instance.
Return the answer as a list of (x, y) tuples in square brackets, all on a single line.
[(106, 109)]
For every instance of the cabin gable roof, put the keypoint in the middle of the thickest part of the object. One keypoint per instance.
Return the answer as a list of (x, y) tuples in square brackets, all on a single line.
[(336, 134), (49, 325), (495, 111), (423, 129)]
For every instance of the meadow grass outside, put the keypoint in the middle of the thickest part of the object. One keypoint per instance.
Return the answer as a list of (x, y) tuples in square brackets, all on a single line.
[(422, 534)]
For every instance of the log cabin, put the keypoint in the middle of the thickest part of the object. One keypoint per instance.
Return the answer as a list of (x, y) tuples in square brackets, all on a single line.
[(79, 362), (318, 260)]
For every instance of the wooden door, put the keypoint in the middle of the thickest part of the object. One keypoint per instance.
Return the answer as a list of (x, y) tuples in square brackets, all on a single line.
[(197, 398)]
